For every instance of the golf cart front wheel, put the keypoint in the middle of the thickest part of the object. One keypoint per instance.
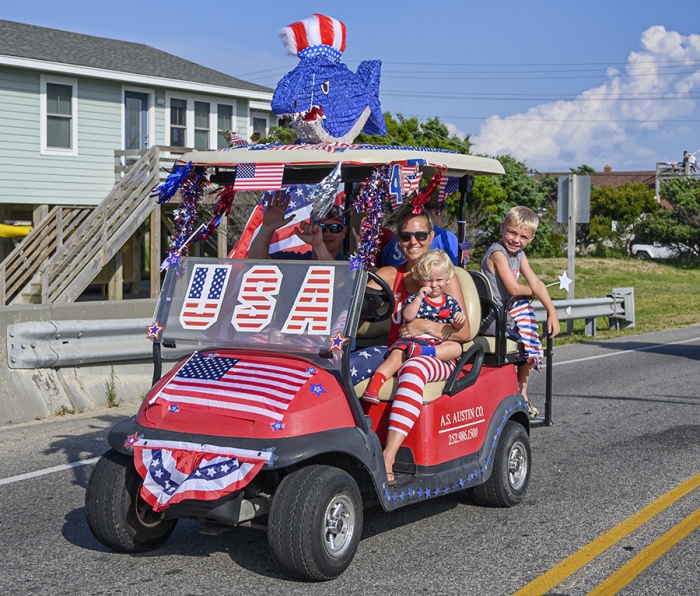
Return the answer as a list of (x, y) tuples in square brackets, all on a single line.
[(315, 523), (116, 513)]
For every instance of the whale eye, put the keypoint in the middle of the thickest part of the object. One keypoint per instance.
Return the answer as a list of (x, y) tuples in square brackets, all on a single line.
[(325, 87)]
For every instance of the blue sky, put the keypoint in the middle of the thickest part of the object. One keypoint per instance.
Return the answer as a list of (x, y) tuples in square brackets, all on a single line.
[(557, 84)]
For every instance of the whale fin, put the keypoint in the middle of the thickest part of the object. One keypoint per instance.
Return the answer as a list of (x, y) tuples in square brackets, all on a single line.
[(369, 71)]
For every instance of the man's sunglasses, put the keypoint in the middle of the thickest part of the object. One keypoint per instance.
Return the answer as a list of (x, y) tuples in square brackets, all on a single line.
[(336, 228), (420, 236)]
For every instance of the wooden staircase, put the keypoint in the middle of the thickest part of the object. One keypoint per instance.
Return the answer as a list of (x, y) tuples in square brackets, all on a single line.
[(103, 233), (71, 245)]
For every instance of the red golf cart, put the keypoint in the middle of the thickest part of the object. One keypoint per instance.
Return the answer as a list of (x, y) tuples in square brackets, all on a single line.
[(261, 418)]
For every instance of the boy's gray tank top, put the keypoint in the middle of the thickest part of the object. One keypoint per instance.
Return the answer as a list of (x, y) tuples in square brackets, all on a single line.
[(500, 294)]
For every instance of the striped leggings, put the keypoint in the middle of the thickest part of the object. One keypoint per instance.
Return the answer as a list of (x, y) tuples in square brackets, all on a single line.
[(408, 401)]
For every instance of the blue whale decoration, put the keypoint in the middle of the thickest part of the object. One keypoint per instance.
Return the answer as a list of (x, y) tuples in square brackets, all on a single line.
[(326, 100)]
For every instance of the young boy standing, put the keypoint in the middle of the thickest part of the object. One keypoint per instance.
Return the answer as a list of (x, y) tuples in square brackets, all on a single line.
[(503, 264)]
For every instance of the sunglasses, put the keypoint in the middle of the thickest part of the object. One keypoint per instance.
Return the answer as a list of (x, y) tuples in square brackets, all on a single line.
[(336, 228), (420, 236)]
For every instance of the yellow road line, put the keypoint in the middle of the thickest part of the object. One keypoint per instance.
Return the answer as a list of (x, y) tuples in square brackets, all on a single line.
[(585, 555), (625, 574)]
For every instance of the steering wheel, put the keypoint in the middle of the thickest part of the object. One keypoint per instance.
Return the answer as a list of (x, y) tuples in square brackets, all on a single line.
[(377, 305)]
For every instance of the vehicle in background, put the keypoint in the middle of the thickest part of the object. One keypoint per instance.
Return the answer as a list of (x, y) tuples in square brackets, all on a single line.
[(655, 250)]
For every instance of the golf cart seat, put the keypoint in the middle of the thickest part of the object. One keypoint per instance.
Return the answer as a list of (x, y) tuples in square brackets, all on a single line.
[(498, 348), (376, 334)]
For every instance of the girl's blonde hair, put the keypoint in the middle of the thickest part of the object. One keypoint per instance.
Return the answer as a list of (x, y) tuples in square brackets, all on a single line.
[(431, 260)]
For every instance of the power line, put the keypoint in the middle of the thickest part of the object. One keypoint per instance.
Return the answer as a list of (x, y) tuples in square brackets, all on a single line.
[(512, 119)]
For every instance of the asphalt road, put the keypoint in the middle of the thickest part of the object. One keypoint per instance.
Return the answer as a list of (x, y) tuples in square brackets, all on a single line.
[(613, 503)]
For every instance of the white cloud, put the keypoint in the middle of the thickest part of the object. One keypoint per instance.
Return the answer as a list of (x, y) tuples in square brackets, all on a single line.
[(603, 123), (453, 130)]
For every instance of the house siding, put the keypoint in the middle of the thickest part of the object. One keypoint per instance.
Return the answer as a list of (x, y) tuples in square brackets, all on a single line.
[(28, 177), (34, 178)]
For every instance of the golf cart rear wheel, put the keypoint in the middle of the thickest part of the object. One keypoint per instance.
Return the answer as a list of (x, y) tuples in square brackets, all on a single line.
[(116, 514), (511, 470), (315, 523)]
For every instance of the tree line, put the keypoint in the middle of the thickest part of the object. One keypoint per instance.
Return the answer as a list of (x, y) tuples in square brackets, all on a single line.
[(618, 215)]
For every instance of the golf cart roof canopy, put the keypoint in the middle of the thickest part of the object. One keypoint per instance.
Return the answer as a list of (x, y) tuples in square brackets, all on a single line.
[(310, 163)]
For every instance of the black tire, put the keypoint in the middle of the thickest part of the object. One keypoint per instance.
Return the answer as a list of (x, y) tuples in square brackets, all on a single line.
[(643, 256), (116, 514), (315, 523), (511, 470)]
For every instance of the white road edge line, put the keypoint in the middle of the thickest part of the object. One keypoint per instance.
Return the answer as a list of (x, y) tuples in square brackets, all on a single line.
[(672, 343), (75, 464)]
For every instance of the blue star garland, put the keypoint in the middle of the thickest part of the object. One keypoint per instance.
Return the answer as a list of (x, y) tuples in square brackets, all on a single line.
[(176, 178), (370, 201), (191, 191)]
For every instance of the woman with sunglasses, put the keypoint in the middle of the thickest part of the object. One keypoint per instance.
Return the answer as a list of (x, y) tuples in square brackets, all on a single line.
[(415, 234)]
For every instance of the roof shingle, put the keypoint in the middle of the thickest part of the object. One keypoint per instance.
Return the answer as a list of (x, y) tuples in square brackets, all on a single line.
[(41, 43)]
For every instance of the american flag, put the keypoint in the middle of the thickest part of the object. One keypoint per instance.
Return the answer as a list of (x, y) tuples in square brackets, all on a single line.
[(448, 186), (258, 176), (283, 239), (411, 175), (173, 471), (204, 296), (231, 387), (237, 141)]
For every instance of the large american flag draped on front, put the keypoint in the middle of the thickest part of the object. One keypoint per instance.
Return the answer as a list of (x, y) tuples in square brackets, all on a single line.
[(249, 389), (173, 471)]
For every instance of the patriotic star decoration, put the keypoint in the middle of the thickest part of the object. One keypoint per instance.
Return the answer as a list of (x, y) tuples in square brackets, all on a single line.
[(173, 409), (355, 262), (173, 260), (317, 389), (154, 330), (131, 440), (564, 281), (311, 370), (277, 425), (337, 341)]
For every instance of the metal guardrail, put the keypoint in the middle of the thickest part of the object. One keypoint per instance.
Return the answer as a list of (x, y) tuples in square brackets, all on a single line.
[(50, 344), (53, 344), (618, 306)]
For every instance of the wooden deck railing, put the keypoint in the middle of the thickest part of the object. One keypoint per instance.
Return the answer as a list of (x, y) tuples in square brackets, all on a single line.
[(23, 263), (103, 233)]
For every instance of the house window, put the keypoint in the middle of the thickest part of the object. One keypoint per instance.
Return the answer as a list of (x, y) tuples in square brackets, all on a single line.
[(201, 125), (224, 123), (58, 115), (59, 105), (259, 128), (178, 122)]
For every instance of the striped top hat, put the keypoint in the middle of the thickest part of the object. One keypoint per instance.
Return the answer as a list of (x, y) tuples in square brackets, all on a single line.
[(317, 34)]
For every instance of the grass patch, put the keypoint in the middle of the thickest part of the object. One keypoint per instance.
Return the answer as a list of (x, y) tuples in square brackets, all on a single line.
[(665, 295), (111, 390)]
